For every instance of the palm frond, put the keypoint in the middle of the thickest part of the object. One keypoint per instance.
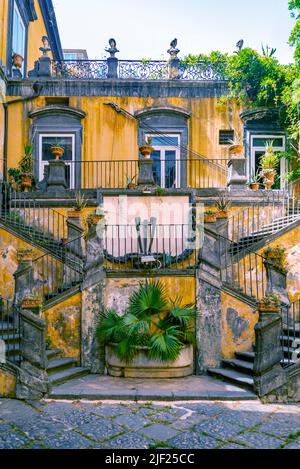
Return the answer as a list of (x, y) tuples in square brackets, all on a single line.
[(110, 327), (165, 346), (150, 298)]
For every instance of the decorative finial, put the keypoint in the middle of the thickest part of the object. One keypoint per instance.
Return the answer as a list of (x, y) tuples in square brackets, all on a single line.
[(46, 47), (239, 45), (112, 47), (173, 51)]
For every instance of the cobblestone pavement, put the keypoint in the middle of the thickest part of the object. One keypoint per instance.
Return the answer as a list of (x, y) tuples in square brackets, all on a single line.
[(185, 425)]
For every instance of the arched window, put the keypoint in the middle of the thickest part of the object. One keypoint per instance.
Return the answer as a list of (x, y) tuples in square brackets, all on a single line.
[(168, 129)]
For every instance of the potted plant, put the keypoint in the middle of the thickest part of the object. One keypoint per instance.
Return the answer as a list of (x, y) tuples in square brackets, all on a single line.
[(270, 303), (32, 302), (14, 175), (152, 339), (223, 205), (254, 184), (95, 217), (18, 60), (25, 166), (268, 163), (57, 150), (146, 148), (129, 182), (80, 203), (210, 216), (236, 148), (277, 256)]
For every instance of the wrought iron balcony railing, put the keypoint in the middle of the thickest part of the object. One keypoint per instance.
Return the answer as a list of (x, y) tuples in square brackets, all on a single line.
[(135, 70), (122, 174)]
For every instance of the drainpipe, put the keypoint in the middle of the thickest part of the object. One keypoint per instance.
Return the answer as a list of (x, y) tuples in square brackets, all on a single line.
[(37, 91)]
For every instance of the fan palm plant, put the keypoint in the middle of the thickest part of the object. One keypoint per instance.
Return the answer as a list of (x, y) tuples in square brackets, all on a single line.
[(151, 320)]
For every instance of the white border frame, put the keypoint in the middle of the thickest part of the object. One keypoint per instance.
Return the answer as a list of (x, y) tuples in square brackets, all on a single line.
[(163, 150), (42, 163)]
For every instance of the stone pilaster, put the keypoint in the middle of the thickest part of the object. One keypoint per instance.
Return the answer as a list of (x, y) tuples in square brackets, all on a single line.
[(33, 381), (57, 176), (268, 373), (112, 64), (145, 177), (93, 353), (237, 179), (23, 276), (208, 302)]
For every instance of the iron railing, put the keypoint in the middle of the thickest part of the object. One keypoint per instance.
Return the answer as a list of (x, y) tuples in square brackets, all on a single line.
[(53, 275), (121, 174), (135, 70), (9, 332), (150, 247), (45, 226), (263, 218), (243, 271), (290, 338)]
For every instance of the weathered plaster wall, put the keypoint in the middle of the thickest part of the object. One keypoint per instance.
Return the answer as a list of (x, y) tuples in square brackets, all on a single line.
[(118, 290), (9, 244), (36, 31), (3, 29), (8, 382), (64, 325), (238, 321)]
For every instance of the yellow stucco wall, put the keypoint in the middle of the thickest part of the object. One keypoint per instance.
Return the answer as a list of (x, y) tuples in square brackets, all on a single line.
[(64, 325), (3, 29), (238, 321), (108, 135), (8, 384), (9, 244)]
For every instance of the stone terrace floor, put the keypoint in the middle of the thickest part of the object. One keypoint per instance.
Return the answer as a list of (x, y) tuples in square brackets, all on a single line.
[(185, 425)]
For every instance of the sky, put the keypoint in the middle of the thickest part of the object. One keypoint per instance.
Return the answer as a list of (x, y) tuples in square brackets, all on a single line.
[(144, 29)]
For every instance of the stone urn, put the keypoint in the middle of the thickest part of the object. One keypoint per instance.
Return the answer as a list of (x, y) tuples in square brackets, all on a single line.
[(57, 151), (146, 150), (236, 151), (26, 181), (18, 60), (268, 177), (144, 367)]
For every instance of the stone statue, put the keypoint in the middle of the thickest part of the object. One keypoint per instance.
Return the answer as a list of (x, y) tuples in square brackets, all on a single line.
[(173, 51), (239, 46), (112, 47), (46, 47)]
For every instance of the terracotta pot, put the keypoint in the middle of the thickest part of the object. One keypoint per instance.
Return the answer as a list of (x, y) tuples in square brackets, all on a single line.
[(131, 186), (18, 60), (26, 182), (74, 213), (57, 151), (254, 186), (236, 150), (210, 218), (264, 308), (94, 219), (222, 214), (146, 151), (269, 177), (31, 304)]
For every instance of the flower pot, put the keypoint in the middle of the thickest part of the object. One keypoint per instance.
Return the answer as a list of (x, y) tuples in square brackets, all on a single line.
[(144, 367), (146, 150), (222, 214), (254, 186), (236, 150), (57, 151), (131, 186), (210, 218), (269, 177), (32, 304), (266, 308), (26, 182), (74, 213), (94, 219), (18, 60)]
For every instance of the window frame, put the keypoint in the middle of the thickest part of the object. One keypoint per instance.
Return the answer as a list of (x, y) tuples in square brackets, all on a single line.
[(20, 7), (163, 149), (254, 149), (42, 164)]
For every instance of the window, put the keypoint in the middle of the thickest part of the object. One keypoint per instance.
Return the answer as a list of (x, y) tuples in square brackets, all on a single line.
[(166, 160), (258, 143), (225, 136), (71, 56), (67, 141), (18, 35)]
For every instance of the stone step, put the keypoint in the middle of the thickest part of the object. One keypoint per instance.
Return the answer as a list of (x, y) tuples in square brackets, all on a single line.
[(242, 366), (247, 356), (53, 353), (67, 375), (234, 377), (60, 364)]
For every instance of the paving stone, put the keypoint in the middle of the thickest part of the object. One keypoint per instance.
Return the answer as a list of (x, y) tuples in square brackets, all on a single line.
[(4, 427), (164, 417), (192, 440), (108, 410), (134, 422), (255, 440), (293, 445), (233, 446), (282, 426), (76, 417), (244, 419), (129, 441), (13, 440), (210, 409), (218, 428), (189, 422), (41, 427), (159, 432), (12, 410), (69, 440), (101, 430)]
